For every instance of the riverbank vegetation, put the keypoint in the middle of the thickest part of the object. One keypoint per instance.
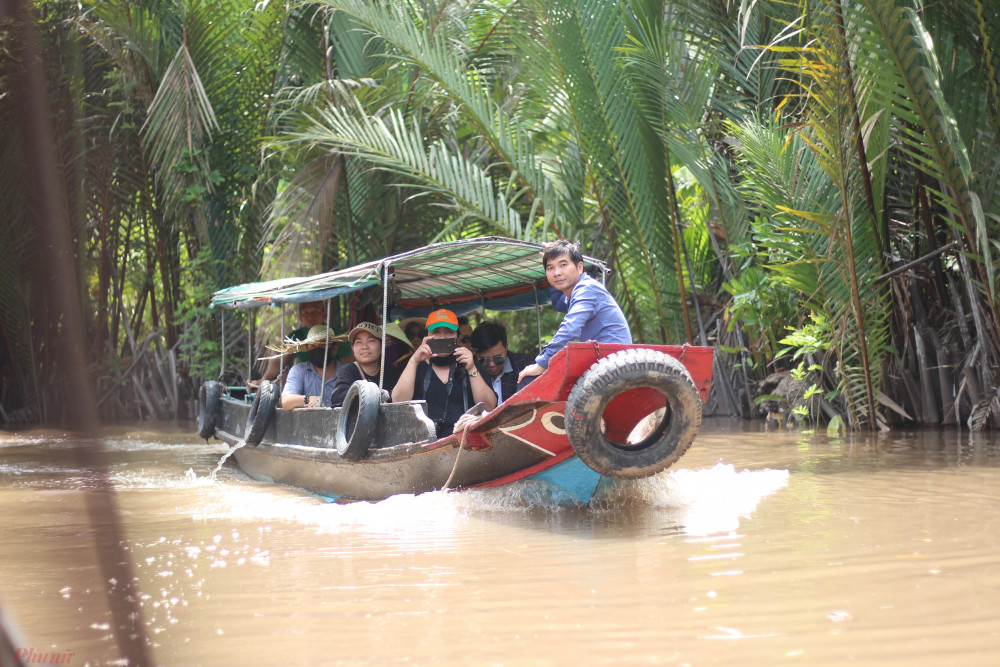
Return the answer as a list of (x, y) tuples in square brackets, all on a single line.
[(810, 186)]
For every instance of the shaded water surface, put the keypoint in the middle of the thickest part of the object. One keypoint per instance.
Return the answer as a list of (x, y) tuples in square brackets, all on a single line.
[(758, 548)]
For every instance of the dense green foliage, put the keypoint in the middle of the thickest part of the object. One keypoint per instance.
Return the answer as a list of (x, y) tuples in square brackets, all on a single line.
[(750, 170)]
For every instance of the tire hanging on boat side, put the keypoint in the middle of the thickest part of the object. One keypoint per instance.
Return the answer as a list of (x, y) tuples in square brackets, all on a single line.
[(613, 375), (261, 413), (358, 419), (209, 404)]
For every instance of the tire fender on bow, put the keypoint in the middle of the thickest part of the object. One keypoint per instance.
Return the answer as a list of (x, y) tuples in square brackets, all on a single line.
[(660, 415)]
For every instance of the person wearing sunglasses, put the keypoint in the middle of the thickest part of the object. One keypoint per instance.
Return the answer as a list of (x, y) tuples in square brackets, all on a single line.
[(489, 340), (464, 332)]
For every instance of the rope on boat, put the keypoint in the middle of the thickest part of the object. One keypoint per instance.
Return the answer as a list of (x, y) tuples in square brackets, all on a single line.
[(461, 446)]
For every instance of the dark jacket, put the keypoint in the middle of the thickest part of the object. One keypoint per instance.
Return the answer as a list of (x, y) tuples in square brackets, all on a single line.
[(508, 381)]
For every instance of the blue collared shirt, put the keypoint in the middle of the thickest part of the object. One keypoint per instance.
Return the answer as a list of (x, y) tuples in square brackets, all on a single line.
[(591, 314), (304, 379)]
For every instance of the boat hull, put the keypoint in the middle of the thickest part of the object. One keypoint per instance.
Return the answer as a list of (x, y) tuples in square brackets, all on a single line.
[(524, 438)]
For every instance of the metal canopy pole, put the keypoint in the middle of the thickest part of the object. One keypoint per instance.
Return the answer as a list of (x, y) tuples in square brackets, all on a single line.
[(250, 319), (538, 315), (222, 364), (281, 359), (326, 352), (385, 317)]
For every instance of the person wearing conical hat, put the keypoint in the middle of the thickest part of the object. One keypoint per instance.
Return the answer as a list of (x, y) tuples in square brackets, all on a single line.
[(366, 343), (397, 346), (310, 383)]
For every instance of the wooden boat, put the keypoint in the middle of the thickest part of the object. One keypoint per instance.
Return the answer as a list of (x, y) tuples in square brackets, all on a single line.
[(599, 411)]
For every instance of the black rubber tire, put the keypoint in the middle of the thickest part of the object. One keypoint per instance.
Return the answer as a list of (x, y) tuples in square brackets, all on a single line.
[(261, 413), (358, 419), (210, 405), (620, 372)]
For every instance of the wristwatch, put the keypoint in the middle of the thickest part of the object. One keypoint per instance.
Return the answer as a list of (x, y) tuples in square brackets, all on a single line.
[(474, 373)]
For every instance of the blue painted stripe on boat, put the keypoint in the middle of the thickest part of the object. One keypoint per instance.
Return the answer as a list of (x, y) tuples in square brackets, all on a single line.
[(574, 476)]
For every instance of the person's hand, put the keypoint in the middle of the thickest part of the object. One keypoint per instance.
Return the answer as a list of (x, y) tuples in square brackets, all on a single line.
[(466, 358), (467, 420), (533, 369), (422, 353), (253, 385)]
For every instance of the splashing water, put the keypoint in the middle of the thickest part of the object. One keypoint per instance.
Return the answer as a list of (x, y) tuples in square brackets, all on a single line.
[(701, 502), (698, 502), (241, 443)]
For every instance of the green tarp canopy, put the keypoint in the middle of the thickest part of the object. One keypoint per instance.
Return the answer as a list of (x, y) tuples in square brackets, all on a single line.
[(493, 272)]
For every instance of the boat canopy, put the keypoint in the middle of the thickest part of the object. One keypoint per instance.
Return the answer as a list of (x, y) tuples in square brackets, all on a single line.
[(491, 272)]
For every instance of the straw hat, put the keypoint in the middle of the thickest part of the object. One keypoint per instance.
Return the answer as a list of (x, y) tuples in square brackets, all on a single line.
[(317, 334)]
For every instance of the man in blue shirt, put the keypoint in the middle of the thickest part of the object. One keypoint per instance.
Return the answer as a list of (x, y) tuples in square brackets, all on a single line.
[(591, 312), (310, 383)]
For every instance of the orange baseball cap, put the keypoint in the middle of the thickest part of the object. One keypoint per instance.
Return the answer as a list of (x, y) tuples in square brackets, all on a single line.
[(442, 318)]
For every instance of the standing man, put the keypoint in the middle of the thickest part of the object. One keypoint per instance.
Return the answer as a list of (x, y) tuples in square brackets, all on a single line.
[(489, 340), (591, 312), (450, 382)]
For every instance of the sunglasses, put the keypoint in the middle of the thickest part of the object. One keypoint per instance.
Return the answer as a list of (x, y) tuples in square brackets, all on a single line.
[(492, 361)]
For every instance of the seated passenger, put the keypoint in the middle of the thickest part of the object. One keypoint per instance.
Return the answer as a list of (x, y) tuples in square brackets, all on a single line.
[(310, 383), (451, 383), (311, 313), (464, 332), (489, 340), (397, 346), (414, 329), (591, 312), (366, 342)]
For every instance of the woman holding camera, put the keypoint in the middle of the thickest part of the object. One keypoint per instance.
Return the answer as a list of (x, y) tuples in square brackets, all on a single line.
[(451, 383)]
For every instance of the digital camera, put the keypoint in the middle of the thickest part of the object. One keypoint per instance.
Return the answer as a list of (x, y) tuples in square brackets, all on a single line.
[(443, 345)]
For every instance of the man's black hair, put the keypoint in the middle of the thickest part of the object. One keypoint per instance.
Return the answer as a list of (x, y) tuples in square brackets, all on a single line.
[(488, 334), (560, 248), (463, 320)]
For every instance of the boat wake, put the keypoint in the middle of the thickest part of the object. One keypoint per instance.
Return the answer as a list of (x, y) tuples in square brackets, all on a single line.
[(696, 502), (690, 502)]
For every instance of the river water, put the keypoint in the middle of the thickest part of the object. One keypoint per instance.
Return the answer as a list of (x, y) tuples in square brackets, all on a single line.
[(757, 548)]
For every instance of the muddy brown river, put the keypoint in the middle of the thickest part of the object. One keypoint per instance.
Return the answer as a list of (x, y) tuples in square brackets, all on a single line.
[(758, 548)]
